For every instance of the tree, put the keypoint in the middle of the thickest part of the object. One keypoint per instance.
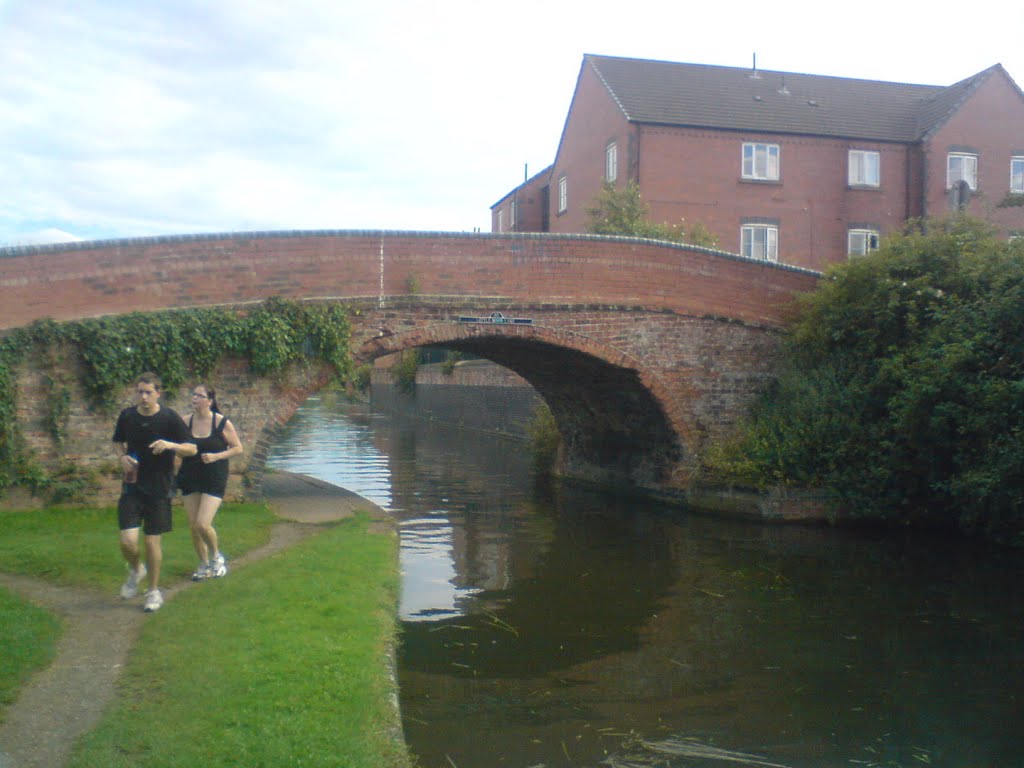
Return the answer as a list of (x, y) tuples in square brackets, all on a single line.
[(621, 211), (901, 388)]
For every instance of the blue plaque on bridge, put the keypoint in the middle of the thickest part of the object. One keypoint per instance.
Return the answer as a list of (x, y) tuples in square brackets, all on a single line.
[(496, 318)]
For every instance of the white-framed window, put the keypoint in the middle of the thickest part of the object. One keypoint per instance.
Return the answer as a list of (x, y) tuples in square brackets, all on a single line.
[(563, 194), (611, 162), (501, 220), (759, 241), (513, 216), (864, 168), (961, 166), (761, 161), (860, 242), (1017, 174)]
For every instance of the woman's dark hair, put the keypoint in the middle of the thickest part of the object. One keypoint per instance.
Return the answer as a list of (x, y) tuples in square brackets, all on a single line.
[(212, 394)]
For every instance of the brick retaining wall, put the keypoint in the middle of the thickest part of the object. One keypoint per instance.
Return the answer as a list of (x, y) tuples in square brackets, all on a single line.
[(476, 394)]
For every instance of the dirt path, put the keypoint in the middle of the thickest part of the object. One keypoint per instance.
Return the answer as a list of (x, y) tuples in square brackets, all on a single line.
[(68, 698)]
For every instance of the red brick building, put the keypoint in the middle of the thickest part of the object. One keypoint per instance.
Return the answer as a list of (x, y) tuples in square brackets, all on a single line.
[(802, 169)]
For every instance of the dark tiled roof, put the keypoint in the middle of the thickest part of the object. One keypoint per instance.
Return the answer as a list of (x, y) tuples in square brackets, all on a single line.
[(702, 96), (540, 175)]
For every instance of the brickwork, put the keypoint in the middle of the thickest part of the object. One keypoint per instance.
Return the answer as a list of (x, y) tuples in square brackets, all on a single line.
[(695, 174), (258, 407), (475, 395), (644, 352), (812, 202), (637, 394), (84, 280), (995, 139)]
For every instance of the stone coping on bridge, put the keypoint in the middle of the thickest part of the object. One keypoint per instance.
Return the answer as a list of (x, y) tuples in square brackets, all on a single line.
[(81, 245)]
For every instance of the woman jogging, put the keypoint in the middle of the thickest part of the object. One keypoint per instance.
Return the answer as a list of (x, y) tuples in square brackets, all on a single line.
[(203, 478)]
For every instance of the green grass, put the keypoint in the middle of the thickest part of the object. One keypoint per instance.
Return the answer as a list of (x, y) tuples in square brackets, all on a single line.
[(28, 635), (79, 546), (283, 663)]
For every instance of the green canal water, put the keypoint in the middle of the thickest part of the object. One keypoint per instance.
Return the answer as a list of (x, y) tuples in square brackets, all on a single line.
[(550, 626)]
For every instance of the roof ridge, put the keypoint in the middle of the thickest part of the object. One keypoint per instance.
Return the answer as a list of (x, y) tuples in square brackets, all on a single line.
[(655, 92), (762, 71), (961, 91), (611, 92)]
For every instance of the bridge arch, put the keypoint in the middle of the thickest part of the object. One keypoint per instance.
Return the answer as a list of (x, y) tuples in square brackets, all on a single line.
[(647, 352), (616, 419)]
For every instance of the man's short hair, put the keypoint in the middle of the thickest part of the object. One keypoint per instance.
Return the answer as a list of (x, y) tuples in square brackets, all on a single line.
[(149, 378)]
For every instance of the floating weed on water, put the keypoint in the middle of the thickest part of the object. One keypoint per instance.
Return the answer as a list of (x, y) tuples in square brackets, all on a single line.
[(451, 626), (709, 592), (922, 755), (495, 621), (654, 753), (612, 733)]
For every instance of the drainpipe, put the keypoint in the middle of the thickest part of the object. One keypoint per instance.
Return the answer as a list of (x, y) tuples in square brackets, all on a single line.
[(380, 301), (921, 191)]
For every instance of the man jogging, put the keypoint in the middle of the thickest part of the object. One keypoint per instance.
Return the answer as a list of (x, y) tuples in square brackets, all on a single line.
[(147, 437)]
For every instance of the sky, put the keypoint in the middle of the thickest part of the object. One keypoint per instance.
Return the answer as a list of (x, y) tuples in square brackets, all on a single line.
[(137, 118)]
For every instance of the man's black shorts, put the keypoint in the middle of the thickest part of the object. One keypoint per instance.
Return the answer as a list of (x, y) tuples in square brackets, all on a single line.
[(152, 512)]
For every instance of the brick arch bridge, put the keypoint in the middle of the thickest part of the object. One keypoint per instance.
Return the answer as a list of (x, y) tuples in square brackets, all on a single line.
[(645, 351)]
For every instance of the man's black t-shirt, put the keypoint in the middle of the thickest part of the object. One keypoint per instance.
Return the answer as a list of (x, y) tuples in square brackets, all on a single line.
[(156, 471)]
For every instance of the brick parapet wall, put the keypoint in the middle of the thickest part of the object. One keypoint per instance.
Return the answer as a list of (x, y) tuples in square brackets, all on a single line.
[(74, 281)]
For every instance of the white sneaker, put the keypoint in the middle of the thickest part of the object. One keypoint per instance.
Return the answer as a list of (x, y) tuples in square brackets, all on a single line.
[(218, 566), (130, 588), (202, 572), (154, 599)]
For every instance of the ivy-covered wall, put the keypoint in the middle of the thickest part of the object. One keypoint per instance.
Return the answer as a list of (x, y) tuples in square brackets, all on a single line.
[(258, 407), (62, 385)]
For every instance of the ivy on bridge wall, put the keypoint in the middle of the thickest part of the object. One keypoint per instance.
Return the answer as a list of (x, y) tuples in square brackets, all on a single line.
[(96, 359)]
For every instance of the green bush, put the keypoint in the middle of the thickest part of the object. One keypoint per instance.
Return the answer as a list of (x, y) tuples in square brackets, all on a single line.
[(545, 438), (361, 377), (452, 358), (404, 371), (902, 386), (622, 211)]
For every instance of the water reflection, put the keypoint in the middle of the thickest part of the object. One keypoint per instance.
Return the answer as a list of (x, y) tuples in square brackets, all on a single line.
[(559, 627)]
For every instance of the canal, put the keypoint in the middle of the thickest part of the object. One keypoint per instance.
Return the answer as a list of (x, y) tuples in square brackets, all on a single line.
[(549, 626)]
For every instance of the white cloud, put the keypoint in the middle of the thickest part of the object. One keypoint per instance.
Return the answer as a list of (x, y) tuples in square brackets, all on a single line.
[(125, 119)]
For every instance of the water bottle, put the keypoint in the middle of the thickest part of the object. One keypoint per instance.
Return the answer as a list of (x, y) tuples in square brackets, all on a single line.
[(131, 475)]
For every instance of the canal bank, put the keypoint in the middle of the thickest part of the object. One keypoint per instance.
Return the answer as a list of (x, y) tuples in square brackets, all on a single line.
[(309, 501), (69, 698)]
